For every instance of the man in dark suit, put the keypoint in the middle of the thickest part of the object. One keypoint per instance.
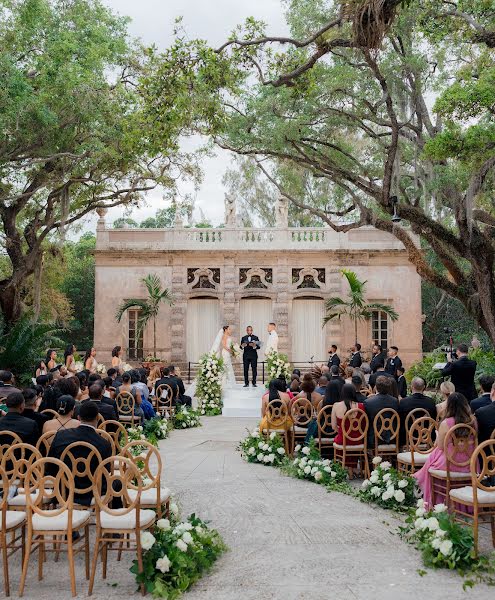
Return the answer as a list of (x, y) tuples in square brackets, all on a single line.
[(393, 361), (486, 418), (374, 404), (250, 344), (30, 412), (486, 384), (333, 357), (86, 432), (377, 359), (107, 411), (183, 399), (356, 359), (462, 372), (401, 382), (14, 421), (380, 372), (7, 384), (417, 399), (335, 375), (167, 380)]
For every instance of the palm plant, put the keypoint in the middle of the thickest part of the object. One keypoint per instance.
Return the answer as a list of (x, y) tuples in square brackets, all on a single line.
[(355, 307), (148, 308)]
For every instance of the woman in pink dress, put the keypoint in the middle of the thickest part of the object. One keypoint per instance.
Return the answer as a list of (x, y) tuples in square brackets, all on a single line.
[(457, 412)]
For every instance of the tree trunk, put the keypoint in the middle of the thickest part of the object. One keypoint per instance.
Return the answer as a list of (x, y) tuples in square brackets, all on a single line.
[(154, 337), (10, 302)]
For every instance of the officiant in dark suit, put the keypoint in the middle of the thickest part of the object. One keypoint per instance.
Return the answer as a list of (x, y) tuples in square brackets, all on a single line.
[(250, 344)]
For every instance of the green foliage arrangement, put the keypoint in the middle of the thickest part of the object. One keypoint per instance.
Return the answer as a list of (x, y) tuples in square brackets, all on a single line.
[(176, 555), (186, 417), (209, 384), (388, 488), (152, 431), (255, 448)]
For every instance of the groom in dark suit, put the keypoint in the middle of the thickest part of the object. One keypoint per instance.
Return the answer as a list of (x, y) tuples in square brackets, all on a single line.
[(250, 344)]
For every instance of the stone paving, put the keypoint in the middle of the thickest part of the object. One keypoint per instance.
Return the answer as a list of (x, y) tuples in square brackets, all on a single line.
[(288, 539)]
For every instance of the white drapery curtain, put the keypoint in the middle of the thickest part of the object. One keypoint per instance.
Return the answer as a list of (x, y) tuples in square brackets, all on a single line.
[(256, 312), (203, 323), (308, 335)]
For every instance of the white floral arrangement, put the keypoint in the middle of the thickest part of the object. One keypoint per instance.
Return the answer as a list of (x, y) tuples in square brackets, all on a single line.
[(256, 448), (78, 366), (186, 417), (126, 367), (278, 365), (389, 488), (101, 369), (209, 384), (309, 464), (235, 349)]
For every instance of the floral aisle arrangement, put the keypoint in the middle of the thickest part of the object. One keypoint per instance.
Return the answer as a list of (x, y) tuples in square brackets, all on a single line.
[(186, 417), (277, 365), (255, 448), (389, 488), (152, 431), (209, 384), (176, 554), (308, 464)]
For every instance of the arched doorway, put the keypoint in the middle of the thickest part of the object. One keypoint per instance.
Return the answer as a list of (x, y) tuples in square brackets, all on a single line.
[(308, 335), (203, 323), (257, 312)]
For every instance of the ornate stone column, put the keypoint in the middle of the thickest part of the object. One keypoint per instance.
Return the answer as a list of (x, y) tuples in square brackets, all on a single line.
[(230, 285), (178, 329), (281, 284)]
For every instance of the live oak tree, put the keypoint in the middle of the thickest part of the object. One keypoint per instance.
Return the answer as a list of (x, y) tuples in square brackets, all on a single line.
[(385, 99), (73, 135)]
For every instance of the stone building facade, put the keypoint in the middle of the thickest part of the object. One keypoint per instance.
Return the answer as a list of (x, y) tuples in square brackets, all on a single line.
[(241, 277)]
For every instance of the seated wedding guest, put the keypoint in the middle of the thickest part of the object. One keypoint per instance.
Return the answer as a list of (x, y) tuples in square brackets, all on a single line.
[(417, 399), (40, 369), (83, 386), (109, 391), (183, 399), (357, 382), (486, 384), (308, 390), (348, 372), (62, 387), (127, 386), (457, 412), (112, 373), (374, 404), (69, 360), (348, 402), (401, 382), (139, 379), (108, 412), (165, 379), (86, 432), (297, 373), (14, 421), (335, 375), (31, 408), (322, 385), (325, 370), (7, 386), (117, 359), (380, 372), (276, 392), (393, 389), (65, 419), (295, 385), (446, 388), (153, 377), (485, 417)]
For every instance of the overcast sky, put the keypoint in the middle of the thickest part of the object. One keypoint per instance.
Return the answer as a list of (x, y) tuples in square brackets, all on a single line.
[(213, 20)]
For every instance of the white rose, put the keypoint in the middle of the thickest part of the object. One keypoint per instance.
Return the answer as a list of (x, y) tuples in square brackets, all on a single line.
[(314, 470), (307, 470), (255, 434), (163, 524), (260, 457), (271, 457), (261, 445), (266, 447), (375, 490), (266, 459), (374, 478), (420, 512), (446, 547), (304, 461), (327, 469), (326, 462), (433, 524), (273, 435), (174, 509), (318, 476), (305, 450), (440, 533), (386, 495), (439, 508), (199, 530), (252, 451), (402, 484), (386, 465), (184, 424), (187, 538), (386, 477), (435, 543), (366, 484), (181, 545), (163, 564), (296, 461), (147, 540), (297, 448), (399, 496), (311, 462), (333, 474), (377, 460), (420, 503)]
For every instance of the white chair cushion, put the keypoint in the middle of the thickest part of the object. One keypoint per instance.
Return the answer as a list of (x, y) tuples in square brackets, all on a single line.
[(127, 520), (327, 440), (405, 457), (466, 494), (149, 496), (59, 522), (386, 447), (453, 474), (298, 429), (128, 418), (14, 518), (20, 499), (349, 446)]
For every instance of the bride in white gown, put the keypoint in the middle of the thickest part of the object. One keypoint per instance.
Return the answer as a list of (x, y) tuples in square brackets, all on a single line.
[(222, 347)]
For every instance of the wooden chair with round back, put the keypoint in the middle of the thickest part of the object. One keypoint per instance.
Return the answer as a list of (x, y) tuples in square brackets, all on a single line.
[(16, 462), (147, 459), (354, 445), (460, 443), (61, 522), (302, 415), (7, 439), (83, 459), (49, 412), (125, 408), (420, 445), (99, 419), (108, 438), (11, 540), (416, 413), (386, 428), (476, 502), (278, 421), (118, 432), (44, 442), (130, 520), (326, 434), (165, 400)]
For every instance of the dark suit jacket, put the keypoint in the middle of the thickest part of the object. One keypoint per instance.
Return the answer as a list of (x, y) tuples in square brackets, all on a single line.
[(26, 429), (6, 390), (168, 381), (402, 386), (248, 351), (376, 361), (83, 433), (483, 400), (373, 405), (356, 360), (334, 360), (392, 364), (180, 384), (408, 404), (374, 376), (37, 417), (486, 421), (462, 372)]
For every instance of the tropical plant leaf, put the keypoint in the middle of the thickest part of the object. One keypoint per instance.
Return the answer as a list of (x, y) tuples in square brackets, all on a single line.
[(135, 303), (388, 310)]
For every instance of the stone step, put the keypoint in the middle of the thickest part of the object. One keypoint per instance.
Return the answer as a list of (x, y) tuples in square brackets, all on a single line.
[(239, 401)]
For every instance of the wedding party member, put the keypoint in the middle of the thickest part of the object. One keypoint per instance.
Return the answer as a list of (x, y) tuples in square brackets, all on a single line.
[(416, 400), (89, 361), (333, 357), (393, 361), (374, 404), (377, 357), (117, 359), (65, 419), (69, 358), (462, 372), (31, 408), (486, 384), (7, 386), (14, 421), (250, 345), (485, 417), (457, 412), (276, 392), (401, 382), (182, 399), (356, 358), (51, 359), (446, 388), (272, 343)]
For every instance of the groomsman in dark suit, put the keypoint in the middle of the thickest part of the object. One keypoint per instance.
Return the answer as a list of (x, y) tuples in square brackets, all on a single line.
[(356, 359), (377, 358), (333, 357), (393, 361), (250, 344)]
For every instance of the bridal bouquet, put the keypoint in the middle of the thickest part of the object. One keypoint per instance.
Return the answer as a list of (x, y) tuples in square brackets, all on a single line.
[(209, 384), (101, 369), (235, 349)]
